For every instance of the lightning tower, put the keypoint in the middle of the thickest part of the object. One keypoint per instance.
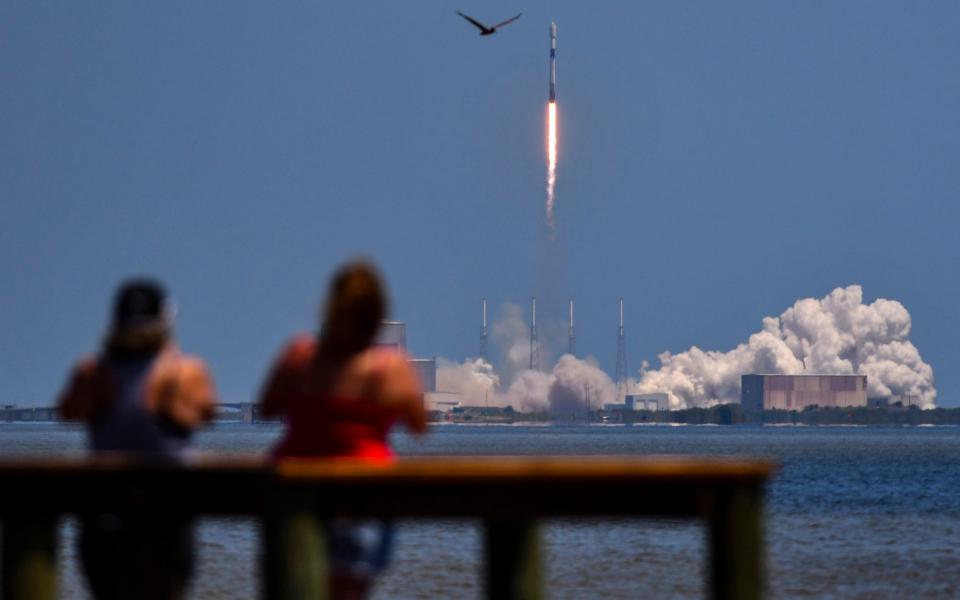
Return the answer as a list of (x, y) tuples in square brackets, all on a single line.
[(621, 359), (534, 340), (483, 331)]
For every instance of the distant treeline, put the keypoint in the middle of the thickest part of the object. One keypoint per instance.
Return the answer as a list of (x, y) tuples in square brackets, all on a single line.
[(732, 414), (723, 414)]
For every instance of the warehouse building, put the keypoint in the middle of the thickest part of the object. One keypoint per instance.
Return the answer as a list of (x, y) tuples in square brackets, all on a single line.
[(650, 401), (796, 392), (426, 369)]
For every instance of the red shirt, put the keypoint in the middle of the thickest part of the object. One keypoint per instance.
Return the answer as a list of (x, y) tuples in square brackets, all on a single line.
[(323, 425)]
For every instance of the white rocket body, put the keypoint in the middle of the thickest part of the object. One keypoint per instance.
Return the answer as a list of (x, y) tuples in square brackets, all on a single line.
[(553, 61)]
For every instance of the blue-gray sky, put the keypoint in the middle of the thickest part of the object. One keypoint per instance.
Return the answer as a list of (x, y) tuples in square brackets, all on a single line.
[(717, 162)]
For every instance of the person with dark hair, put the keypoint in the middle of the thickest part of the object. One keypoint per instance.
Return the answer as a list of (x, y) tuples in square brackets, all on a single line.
[(139, 396), (340, 395)]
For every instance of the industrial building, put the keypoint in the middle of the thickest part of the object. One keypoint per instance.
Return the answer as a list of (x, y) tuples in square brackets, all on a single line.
[(654, 401), (631, 402), (426, 369), (392, 333), (441, 401), (796, 392)]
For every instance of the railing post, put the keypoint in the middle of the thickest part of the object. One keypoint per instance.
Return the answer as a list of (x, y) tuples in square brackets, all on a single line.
[(294, 560), (512, 549), (29, 556), (736, 544)]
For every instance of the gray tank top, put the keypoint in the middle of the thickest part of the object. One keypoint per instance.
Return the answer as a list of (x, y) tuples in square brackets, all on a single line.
[(126, 425)]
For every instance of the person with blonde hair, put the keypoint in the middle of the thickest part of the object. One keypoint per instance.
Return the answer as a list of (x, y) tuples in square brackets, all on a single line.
[(340, 395)]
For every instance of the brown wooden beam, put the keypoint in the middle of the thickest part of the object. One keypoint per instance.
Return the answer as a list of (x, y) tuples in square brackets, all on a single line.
[(736, 544), (512, 559)]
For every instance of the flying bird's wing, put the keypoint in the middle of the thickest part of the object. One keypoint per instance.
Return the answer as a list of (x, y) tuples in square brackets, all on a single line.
[(508, 21), (477, 23)]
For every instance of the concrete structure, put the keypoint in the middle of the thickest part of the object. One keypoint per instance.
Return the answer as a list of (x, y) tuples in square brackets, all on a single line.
[(796, 392), (621, 375), (393, 333), (631, 402), (441, 401), (652, 401), (426, 368)]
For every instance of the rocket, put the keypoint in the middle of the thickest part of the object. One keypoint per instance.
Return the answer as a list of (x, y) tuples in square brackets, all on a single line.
[(553, 61)]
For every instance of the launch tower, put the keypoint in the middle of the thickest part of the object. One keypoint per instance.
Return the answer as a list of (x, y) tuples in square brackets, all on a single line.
[(621, 359), (534, 340), (483, 331)]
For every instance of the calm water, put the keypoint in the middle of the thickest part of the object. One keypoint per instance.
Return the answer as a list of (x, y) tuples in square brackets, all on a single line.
[(854, 513)]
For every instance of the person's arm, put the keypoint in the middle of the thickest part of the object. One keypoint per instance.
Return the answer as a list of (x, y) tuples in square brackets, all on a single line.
[(78, 401), (200, 396), (183, 390)]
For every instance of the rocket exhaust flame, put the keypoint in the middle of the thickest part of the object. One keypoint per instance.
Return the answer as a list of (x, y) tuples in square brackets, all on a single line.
[(551, 159), (552, 128)]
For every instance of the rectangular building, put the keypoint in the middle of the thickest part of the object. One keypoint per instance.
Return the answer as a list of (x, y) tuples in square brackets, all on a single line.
[(426, 369), (796, 392), (650, 401)]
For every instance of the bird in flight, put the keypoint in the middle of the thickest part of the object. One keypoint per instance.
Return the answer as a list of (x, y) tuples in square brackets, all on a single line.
[(484, 30)]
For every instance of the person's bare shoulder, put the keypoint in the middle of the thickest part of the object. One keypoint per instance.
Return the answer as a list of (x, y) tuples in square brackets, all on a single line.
[(398, 379), (194, 371)]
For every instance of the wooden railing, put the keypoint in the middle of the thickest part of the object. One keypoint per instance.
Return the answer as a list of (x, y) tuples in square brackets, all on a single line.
[(510, 495)]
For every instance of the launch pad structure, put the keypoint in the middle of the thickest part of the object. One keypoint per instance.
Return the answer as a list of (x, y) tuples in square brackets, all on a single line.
[(621, 376), (483, 331), (534, 339)]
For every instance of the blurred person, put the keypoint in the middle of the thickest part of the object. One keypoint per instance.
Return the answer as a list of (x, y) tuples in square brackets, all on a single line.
[(140, 395), (340, 395)]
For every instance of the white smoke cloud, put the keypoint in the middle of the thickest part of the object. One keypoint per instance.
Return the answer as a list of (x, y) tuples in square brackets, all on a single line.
[(512, 335), (579, 383), (835, 335), (475, 380), (529, 391), (569, 387)]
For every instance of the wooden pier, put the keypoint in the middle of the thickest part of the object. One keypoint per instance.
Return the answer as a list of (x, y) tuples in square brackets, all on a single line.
[(510, 496)]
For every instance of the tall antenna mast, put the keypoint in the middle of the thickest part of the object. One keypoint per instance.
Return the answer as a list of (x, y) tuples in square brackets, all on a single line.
[(571, 336), (621, 358), (534, 340), (483, 331)]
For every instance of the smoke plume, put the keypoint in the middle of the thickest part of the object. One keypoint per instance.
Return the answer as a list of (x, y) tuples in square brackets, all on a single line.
[(572, 385), (835, 335)]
